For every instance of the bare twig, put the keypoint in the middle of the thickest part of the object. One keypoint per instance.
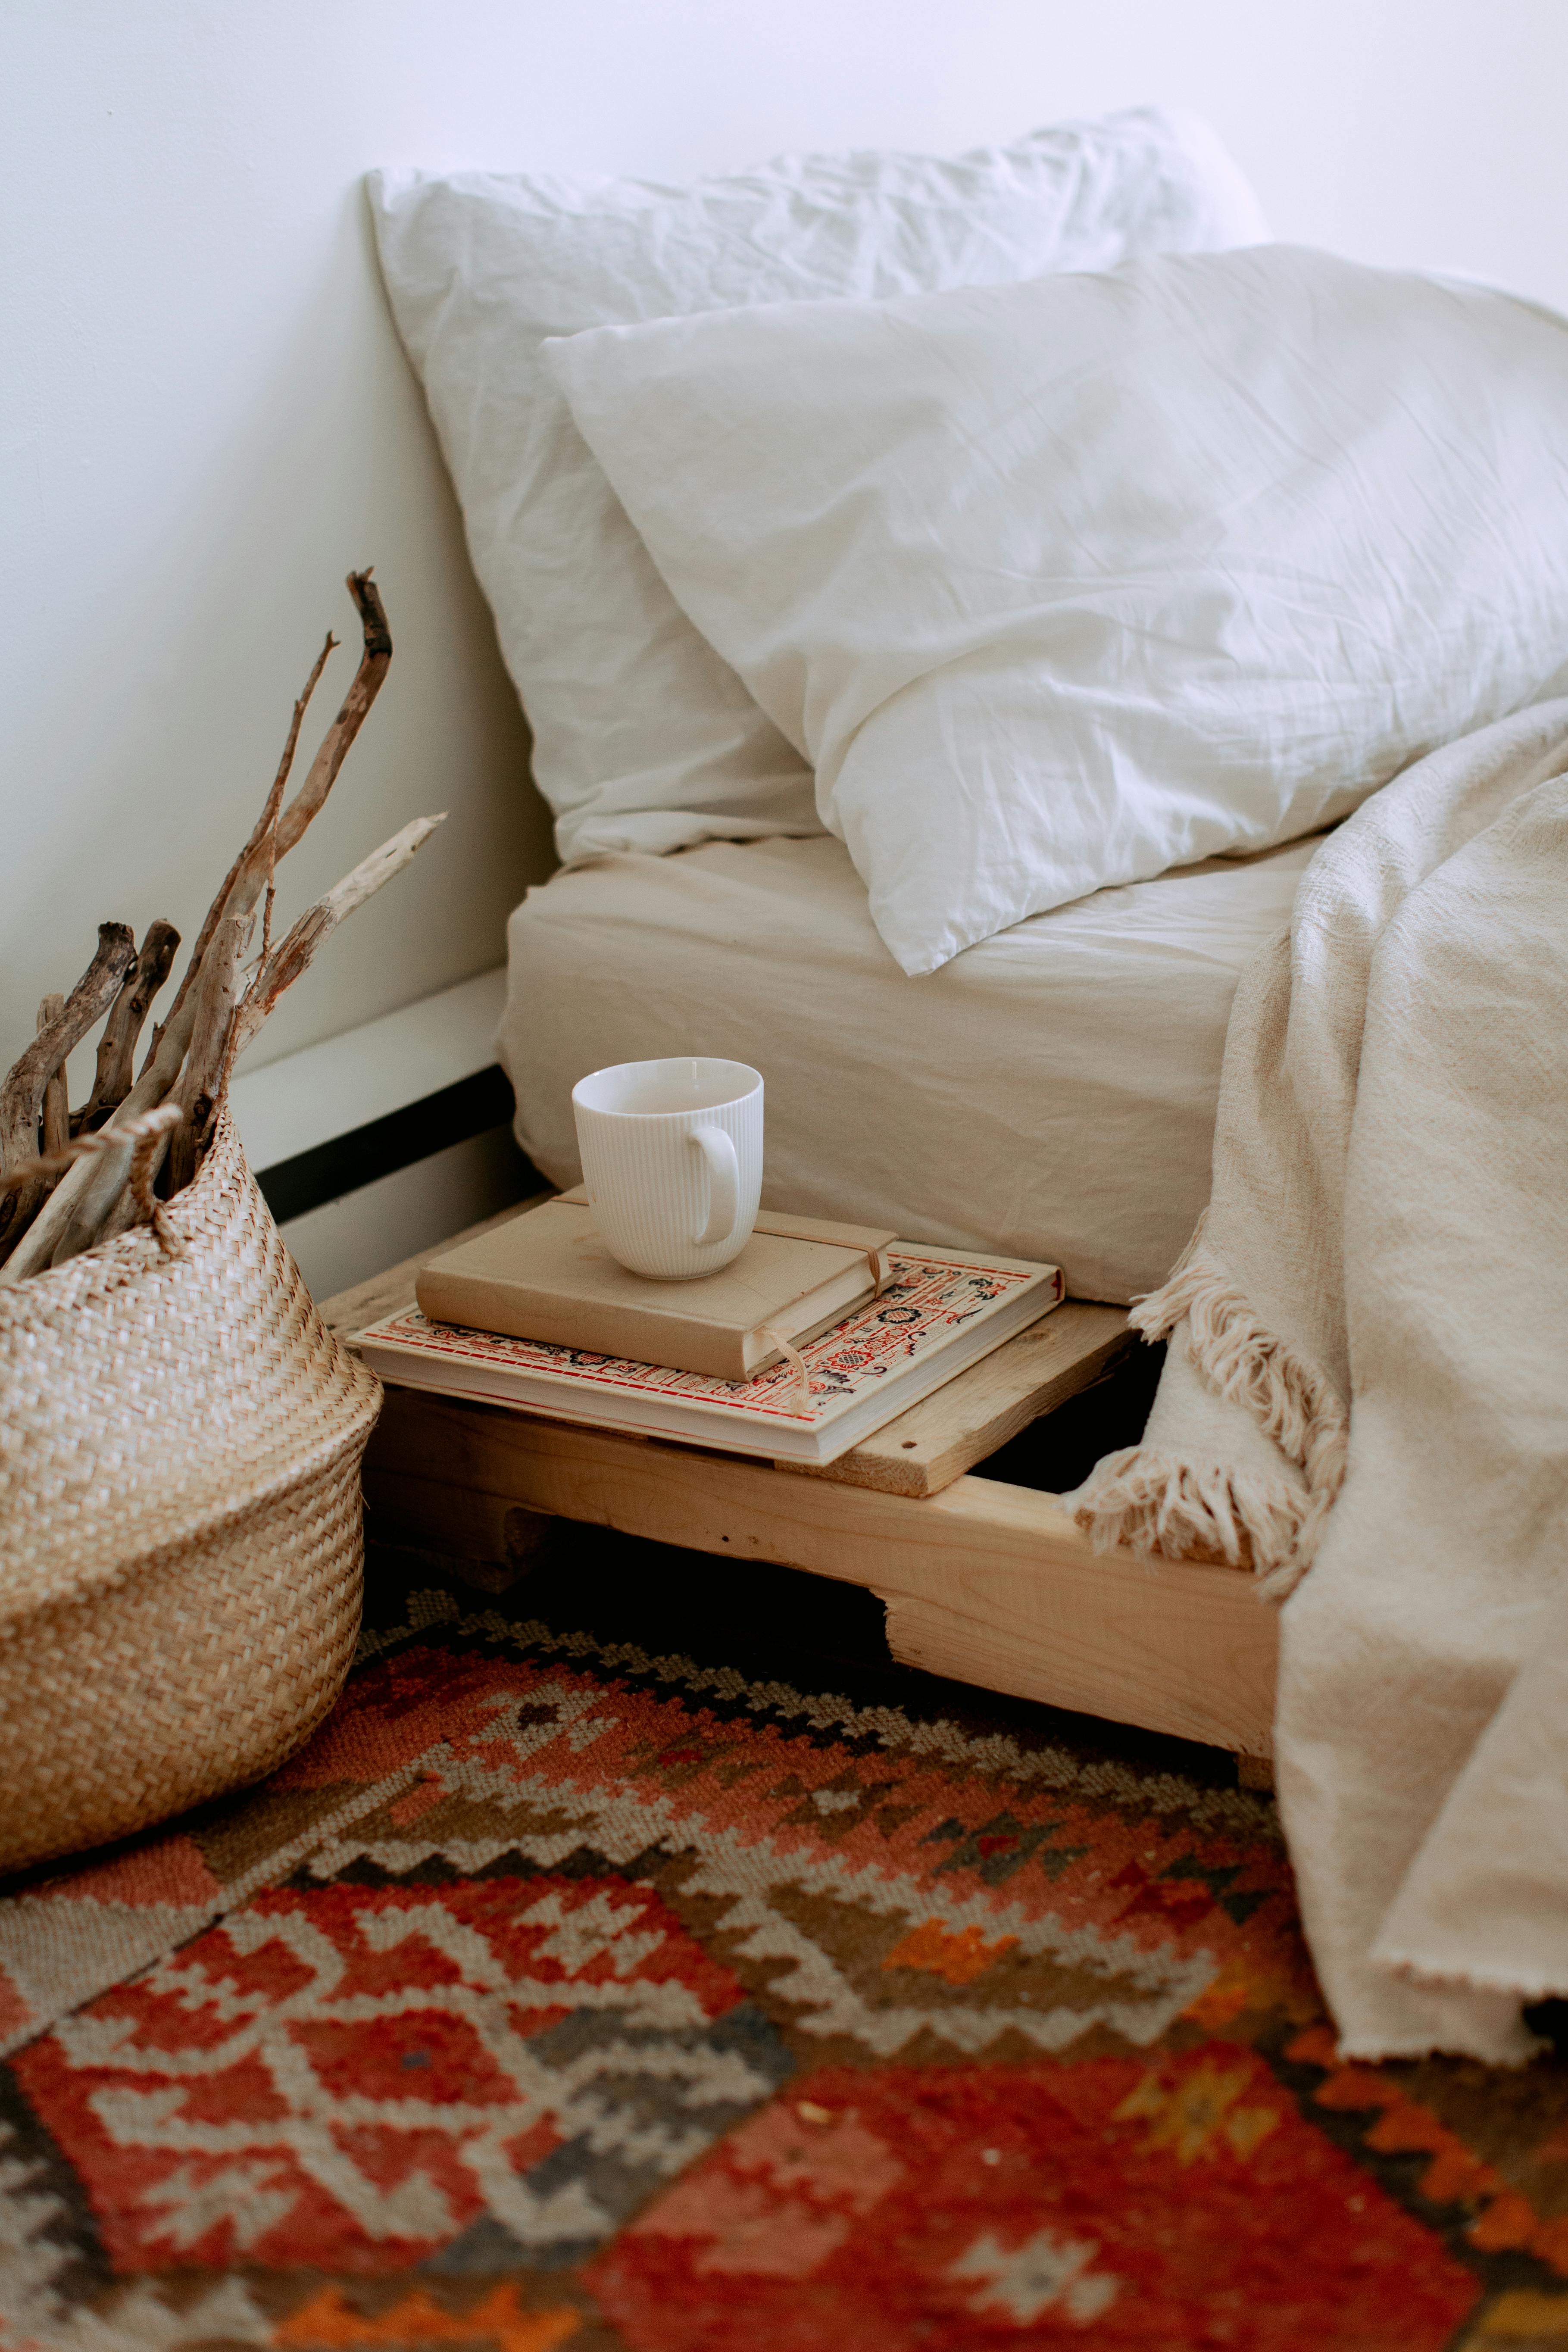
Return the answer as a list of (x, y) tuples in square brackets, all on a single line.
[(268, 902), (106, 1209), (317, 924), (117, 1046), (196, 1047), (265, 824), (217, 994), (278, 831), (22, 1096), (56, 1122), (71, 1217), (335, 745)]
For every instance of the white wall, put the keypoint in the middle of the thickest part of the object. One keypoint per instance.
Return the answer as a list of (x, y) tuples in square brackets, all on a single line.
[(206, 418)]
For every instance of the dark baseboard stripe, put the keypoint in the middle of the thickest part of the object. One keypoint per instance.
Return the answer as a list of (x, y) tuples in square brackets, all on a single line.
[(473, 1107)]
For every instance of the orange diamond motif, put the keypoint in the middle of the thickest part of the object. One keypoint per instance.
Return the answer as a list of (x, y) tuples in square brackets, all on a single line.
[(957, 1956), (1189, 2116)]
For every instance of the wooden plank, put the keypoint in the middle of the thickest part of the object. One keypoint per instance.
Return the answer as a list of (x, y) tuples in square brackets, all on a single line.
[(391, 1292), (936, 1441), (989, 1583)]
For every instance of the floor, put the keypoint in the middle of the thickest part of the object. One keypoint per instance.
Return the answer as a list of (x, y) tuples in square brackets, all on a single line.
[(639, 1960)]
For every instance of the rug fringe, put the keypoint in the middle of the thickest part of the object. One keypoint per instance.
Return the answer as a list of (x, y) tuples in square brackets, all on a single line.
[(1156, 1504)]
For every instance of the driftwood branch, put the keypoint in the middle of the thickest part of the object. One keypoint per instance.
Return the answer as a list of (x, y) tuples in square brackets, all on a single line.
[(71, 1217), (207, 1058), (117, 1046), (294, 953), (124, 1129), (263, 826), (375, 662), (278, 830), (83, 1208), (55, 1120), (22, 1096)]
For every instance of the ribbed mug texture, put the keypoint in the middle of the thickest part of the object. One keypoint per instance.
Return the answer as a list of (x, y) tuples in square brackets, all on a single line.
[(649, 1179)]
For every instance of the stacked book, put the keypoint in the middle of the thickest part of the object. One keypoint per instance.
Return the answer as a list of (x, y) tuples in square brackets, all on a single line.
[(807, 1341)]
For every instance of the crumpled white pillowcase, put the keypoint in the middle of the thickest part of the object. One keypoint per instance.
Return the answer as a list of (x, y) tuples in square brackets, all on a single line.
[(644, 738), (1062, 584)]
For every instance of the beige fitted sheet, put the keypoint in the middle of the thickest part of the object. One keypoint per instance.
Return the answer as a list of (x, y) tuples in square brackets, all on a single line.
[(1050, 1094)]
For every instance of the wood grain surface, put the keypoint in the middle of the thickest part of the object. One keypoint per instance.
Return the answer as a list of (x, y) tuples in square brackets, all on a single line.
[(936, 1441), (989, 1583)]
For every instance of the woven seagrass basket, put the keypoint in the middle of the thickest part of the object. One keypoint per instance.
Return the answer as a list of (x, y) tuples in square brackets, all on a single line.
[(181, 1532)]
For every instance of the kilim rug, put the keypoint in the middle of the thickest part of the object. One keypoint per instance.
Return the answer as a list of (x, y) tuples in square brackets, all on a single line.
[(635, 1962)]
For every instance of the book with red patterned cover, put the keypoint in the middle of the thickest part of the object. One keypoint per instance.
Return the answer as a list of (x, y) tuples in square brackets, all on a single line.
[(941, 1311)]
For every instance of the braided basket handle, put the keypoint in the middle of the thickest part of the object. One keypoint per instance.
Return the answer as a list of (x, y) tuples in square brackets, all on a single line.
[(146, 1132)]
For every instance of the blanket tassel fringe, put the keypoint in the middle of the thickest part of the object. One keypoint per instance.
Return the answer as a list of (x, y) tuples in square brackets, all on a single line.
[(1153, 1503)]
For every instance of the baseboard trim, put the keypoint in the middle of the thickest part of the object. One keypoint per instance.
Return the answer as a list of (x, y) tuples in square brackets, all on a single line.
[(382, 1140), (288, 1107), (292, 1188), (414, 1209)]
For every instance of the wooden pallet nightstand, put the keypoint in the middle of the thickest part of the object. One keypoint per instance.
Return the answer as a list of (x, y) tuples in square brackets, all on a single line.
[(986, 1582)]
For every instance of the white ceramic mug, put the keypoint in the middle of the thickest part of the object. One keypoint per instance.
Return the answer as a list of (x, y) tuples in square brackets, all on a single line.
[(672, 1157)]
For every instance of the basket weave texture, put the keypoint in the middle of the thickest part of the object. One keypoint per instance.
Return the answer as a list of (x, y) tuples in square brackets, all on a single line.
[(181, 1530)]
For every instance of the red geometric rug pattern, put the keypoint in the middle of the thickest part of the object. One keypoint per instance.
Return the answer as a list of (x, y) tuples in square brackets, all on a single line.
[(561, 1994)]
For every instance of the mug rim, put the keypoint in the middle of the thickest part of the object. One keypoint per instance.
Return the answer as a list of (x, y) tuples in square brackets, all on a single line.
[(659, 1061)]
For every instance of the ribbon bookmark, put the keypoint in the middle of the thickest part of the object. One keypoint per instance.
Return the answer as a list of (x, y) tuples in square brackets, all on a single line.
[(796, 1361), (792, 1354)]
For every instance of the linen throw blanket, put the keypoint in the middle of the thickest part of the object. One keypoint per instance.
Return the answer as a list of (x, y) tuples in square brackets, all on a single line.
[(1366, 1394)]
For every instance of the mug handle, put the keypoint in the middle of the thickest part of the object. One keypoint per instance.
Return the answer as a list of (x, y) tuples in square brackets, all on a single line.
[(724, 1184)]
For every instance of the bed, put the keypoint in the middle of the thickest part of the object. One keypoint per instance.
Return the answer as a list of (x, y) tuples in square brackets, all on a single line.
[(1050, 1093), (1031, 527)]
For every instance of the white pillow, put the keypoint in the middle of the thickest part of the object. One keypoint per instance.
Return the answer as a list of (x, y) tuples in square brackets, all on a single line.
[(643, 738), (1061, 585)]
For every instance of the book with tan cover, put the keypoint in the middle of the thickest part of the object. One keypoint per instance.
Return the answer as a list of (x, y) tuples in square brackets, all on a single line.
[(941, 1311), (547, 1276)]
